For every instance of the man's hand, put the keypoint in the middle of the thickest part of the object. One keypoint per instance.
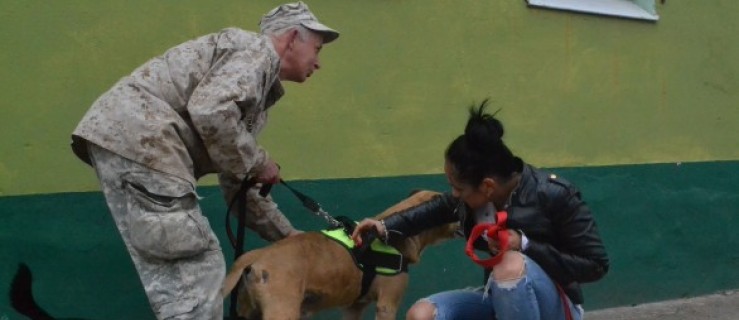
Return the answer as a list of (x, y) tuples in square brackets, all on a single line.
[(270, 173)]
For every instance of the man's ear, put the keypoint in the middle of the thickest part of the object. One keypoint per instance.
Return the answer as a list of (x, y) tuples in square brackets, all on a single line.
[(292, 35)]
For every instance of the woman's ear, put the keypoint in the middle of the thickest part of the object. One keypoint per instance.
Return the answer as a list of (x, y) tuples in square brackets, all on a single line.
[(488, 186)]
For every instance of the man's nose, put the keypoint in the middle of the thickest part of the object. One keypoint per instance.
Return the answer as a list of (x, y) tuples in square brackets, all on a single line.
[(317, 65)]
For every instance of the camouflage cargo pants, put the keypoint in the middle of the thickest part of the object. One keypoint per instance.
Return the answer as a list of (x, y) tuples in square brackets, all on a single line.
[(176, 254)]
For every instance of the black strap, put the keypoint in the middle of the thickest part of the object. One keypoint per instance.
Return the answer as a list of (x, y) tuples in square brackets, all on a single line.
[(240, 199), (238, 244), (369, 260), (368, 274), (386, 260)]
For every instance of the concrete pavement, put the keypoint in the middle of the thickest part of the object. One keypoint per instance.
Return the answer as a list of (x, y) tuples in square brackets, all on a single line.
[(719, 306)]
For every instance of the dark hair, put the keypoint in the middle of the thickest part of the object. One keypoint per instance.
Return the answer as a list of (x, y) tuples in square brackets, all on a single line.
[(480, 152)]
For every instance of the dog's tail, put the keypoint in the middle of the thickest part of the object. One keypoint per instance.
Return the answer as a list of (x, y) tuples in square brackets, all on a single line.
[(242, 266), (21, 295)]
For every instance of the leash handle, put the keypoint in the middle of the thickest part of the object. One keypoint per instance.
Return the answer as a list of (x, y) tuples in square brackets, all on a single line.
[(238, 244), (238, 199), (246, 184), (495, 231), (265, 189)]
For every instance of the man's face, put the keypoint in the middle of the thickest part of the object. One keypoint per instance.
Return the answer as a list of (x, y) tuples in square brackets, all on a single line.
[(303, 56)]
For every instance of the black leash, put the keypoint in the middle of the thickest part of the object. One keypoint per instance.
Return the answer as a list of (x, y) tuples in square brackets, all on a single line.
[(239, 199), (237, 242), (315, 207)]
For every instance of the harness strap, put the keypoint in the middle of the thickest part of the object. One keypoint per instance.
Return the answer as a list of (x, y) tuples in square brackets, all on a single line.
[(367, 257), (382, 256), (370, 261), (368, 274), (384, 260)]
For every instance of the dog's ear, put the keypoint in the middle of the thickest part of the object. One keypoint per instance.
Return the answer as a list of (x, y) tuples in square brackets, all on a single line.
[(416, 198)]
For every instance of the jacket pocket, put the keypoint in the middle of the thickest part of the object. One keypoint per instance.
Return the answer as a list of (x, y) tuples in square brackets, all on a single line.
[(164, 217)]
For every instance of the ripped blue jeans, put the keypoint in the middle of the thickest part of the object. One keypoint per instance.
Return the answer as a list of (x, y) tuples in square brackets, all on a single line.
[(534, 296)]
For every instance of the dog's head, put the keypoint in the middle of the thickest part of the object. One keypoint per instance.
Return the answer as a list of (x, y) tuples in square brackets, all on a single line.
[(412, 247)]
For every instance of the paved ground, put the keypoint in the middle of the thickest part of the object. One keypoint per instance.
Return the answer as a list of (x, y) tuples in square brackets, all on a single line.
[(721, 306)]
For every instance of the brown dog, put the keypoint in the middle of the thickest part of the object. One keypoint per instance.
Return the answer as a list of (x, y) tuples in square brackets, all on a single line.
[(298, 276)]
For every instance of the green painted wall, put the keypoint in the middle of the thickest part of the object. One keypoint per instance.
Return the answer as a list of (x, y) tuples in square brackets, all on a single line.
[(576, 90), (670, 231)]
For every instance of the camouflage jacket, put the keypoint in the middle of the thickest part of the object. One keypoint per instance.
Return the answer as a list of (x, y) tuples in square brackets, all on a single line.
[(194, 110)]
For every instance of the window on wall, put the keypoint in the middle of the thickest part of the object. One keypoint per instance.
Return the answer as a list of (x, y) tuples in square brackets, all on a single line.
[(633, 9)]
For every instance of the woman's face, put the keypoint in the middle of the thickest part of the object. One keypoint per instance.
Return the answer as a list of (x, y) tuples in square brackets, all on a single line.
[(474, 196)]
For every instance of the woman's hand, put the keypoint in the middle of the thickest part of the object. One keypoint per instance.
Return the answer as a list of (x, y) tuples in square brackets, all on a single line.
[(367, 225), (514, 242)]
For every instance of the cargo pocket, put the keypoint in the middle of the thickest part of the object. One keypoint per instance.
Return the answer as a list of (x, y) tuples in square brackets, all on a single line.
[(164, 218), (176, 308)]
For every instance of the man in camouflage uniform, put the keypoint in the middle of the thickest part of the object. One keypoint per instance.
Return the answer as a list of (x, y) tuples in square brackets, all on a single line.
[(194, 110)]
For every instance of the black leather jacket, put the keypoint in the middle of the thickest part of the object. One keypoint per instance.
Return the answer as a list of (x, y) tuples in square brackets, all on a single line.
[(563, 237)]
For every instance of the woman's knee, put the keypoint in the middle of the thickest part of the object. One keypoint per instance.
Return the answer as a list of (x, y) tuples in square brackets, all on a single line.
[(421, 310), (512, 267)]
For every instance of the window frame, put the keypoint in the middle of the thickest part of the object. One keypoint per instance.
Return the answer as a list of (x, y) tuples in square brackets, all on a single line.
[(631, 9)]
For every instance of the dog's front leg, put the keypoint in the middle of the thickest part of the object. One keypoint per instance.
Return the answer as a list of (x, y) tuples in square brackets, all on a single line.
[(390, 290), (386, 311), (355, 311)]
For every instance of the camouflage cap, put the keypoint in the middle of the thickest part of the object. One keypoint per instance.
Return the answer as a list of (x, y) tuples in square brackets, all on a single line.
[(293, 14)]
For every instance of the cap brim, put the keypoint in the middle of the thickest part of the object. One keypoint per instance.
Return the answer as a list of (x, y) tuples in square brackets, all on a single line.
[(328, 34)]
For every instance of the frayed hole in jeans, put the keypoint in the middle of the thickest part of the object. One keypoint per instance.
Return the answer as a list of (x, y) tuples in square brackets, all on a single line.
[(510, 283)]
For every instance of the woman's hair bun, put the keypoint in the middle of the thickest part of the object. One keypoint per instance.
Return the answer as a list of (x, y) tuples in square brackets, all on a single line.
[(483, 131)]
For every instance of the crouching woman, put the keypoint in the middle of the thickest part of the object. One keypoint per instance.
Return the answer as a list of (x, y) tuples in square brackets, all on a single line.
[(553, 242)]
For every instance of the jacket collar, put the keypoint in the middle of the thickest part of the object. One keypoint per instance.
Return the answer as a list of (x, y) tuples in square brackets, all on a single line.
[(525, 186), (275, 93)]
